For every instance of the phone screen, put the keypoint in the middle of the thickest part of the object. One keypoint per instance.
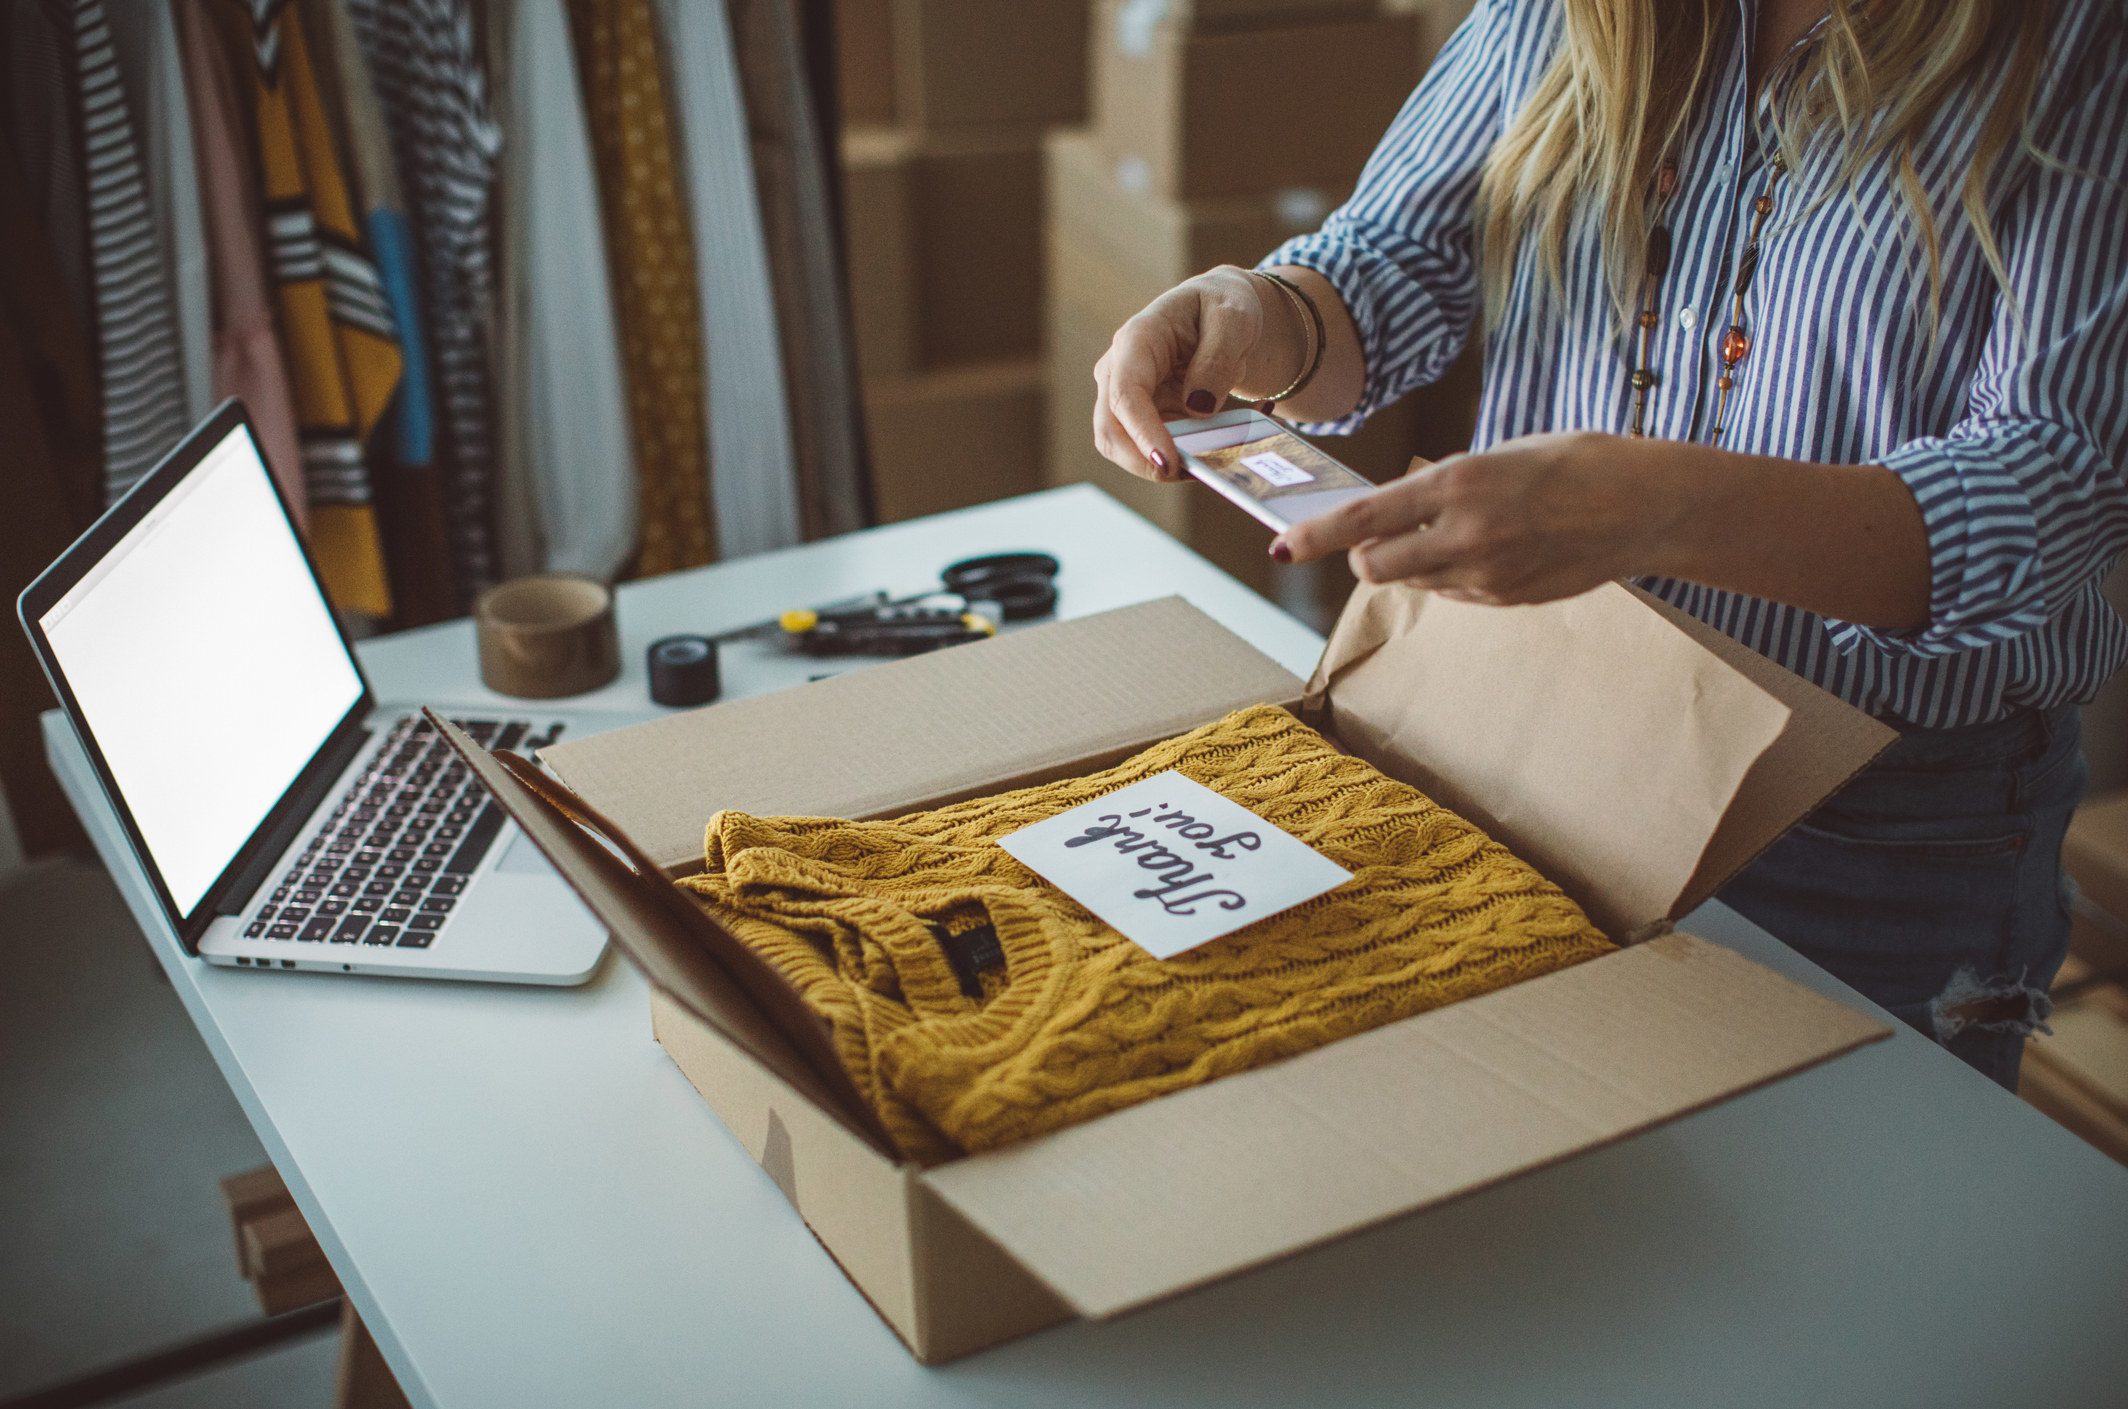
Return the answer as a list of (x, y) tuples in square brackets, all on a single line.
[(1268, 470)]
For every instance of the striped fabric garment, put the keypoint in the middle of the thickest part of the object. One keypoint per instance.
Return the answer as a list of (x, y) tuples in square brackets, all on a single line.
[(425, 59), (40, 84), (336, 326), (2010, 424), (144, 412)]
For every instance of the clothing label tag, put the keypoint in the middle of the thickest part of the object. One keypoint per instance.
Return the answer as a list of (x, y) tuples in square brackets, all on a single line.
[(1277, 469), (1172, 864)]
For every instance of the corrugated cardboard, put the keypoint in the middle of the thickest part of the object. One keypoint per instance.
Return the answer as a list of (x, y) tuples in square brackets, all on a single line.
[(864, 59), (2078, 1074), (945, 246), (251, 1195), (1142, 238), (1150, 1201), (945, 440), (1236, 113), (970, 63), (1437, 19), (1237, 14), (879, 244), (2095, 852), (1416, 683), (1028, 706)]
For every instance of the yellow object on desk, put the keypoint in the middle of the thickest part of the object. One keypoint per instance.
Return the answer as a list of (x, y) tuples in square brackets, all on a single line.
[(1076, 1021)]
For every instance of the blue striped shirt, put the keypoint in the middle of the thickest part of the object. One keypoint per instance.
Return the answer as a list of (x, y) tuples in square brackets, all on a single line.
[(2013, 439)]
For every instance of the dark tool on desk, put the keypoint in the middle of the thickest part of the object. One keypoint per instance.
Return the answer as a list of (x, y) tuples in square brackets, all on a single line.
[(905, 628), (1024, 585), (979, 595), (975, 596)]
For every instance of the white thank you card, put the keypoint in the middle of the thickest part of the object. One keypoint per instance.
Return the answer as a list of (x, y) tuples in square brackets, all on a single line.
[(1172, 864)]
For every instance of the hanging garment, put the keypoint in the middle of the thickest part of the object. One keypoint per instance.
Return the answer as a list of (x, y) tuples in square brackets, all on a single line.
[(144, 409), (40, 81), (247, 361), (373, 186), (820, 375), (54, 474), (562, 404), (518, 546), (145, 38), (405, 480), (425, 64), (754, 489), (650, 250), (973, 1004), (336, 326)]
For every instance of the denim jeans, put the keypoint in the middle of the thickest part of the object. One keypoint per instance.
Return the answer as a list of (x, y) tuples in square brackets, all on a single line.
[(1933, 882)]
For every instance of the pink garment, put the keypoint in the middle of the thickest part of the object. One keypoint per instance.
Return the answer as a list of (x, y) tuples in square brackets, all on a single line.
[(247, 345)]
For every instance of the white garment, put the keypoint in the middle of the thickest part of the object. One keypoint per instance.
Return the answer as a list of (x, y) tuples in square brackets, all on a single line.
[(753, 483), (565, 399), (144, 36)]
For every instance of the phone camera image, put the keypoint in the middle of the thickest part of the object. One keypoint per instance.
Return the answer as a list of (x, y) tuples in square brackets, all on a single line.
[(1273, 465), (1265, 469)]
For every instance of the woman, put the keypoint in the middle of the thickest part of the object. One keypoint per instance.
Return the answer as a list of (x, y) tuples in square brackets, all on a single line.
[(1812, 320)]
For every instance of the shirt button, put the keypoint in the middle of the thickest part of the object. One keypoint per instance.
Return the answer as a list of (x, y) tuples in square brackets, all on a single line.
[(1688, 318)]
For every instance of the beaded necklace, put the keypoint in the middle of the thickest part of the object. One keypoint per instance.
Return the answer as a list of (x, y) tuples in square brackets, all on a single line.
[(1658, 264), (1736, 342)]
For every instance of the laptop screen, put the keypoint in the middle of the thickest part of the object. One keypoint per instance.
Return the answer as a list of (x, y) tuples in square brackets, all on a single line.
[(206, 664)]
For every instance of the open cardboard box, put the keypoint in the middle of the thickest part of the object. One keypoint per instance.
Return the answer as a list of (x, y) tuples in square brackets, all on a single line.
[(1635, 756)]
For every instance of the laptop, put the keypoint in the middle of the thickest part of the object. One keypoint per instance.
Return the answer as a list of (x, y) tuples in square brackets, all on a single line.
[(284, 819)]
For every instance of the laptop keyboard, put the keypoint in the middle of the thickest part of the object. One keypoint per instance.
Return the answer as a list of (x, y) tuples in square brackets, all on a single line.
[(389, 864)]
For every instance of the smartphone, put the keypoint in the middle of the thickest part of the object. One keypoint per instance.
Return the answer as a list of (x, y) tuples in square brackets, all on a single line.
[(1265, 468)]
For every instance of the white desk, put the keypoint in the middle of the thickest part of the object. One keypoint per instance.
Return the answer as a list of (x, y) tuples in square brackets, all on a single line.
[(530, 1206)]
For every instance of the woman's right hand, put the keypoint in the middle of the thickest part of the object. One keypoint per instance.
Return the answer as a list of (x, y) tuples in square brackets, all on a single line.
[(1181, 356)]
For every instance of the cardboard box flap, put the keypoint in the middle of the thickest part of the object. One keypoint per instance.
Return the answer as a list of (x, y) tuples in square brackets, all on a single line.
[(1601, 744), (671, 939), (1827, 741), (1165, 1196), (1067, 696)]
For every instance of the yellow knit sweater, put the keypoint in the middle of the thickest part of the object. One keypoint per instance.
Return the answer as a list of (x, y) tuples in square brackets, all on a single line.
[(1082, 1021)]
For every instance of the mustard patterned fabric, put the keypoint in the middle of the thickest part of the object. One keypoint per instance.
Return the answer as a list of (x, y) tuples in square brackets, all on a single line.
[(1083, 1022), (336, 324), (650, 248)]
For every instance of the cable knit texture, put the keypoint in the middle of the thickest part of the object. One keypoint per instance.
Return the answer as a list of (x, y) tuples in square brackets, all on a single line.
[(1082, 1021)]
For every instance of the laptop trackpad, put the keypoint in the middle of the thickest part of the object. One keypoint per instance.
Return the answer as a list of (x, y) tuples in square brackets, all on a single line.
[(523, 858)]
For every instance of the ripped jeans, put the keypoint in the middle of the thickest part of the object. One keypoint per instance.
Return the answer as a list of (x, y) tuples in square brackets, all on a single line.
[(1933, 882)]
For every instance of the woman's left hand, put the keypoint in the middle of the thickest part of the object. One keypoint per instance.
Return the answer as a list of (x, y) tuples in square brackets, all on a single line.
[(1530, 520)]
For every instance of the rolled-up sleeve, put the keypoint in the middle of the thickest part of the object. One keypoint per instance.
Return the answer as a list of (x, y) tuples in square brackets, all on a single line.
[(2025, 500), (1400, 252)]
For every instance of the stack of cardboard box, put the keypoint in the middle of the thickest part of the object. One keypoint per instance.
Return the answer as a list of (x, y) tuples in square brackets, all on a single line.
[(275, 1250), (2078, 1073), (1220, 128), (945, 103), (1437, 20), (280, 1257)]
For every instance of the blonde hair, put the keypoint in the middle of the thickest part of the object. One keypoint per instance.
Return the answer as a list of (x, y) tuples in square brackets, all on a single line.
[(1620, 90)]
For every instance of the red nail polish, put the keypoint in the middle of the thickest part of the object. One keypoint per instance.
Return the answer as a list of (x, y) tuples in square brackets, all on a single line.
[(1280, 553), (1202, 402), (1159, 462)]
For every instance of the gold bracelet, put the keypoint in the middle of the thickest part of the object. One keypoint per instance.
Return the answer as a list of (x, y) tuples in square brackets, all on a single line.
[(1311, 322)]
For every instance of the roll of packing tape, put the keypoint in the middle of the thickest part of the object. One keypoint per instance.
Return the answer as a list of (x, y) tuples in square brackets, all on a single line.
[(683, 670), (542, 637)]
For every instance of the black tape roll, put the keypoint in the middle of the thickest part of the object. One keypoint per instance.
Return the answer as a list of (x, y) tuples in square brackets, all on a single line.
[(683, 670)]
